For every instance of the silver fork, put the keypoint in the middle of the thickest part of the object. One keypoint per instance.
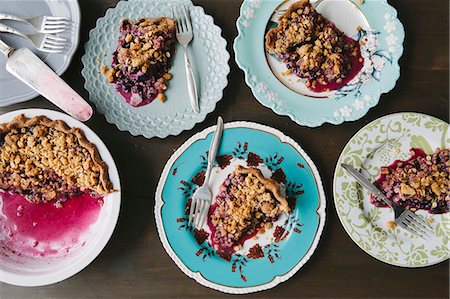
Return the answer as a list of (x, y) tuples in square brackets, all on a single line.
[(41, 41), (404, 218), (42, 24), (184, 37), (201, 200)]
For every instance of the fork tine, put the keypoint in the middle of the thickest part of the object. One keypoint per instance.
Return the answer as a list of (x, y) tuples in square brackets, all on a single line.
[(286, 230), (422, 221), (198, 216), (406, 227), (181, 19), (186, 16), (57, 39), (420, 229), (53, 31), (204, 215), (411, 228), (63, 22), (53, 42), (191, 211), (50, 51), (52, 18)]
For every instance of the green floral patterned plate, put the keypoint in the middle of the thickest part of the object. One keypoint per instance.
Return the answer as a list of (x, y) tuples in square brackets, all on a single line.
[(377, 144)]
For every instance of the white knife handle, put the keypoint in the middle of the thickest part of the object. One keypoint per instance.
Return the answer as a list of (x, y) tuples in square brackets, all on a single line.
[(192, 86), (26, 66), (5, 49)]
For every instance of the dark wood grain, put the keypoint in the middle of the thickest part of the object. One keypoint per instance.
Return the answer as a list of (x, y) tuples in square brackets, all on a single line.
[(134, 263)]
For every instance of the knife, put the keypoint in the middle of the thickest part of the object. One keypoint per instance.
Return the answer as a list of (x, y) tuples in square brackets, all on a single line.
[(31, 70), (366, 183)]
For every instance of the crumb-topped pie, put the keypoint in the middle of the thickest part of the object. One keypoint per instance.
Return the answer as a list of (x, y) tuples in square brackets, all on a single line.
[(421, 182), (247, 204), (314, 49), (44, 160), (141, 63)]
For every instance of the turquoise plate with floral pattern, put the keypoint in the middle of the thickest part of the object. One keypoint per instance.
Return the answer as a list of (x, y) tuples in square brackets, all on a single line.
[(380, 143), (373, 23), (273, 256)]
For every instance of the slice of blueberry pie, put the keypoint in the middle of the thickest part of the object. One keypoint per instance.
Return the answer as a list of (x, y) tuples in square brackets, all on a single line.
[(314, 49), (141, 63), (45, 160), (248, 203)]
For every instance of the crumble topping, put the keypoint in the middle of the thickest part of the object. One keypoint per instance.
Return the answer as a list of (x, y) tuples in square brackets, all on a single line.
[(423, 182), (247, 203), (45, 160), (141, 62), (311, 46)]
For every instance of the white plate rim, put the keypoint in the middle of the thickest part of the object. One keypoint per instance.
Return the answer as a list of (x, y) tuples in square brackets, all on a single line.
[(87, 257)]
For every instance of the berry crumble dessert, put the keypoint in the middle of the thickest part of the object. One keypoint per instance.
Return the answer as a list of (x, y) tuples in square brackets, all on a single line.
[(314, 49), (247, 204), (44, 160), (419, 183), (141, 63)]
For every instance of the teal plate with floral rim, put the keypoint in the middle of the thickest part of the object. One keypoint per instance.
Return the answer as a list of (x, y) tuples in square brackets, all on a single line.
[(373, 23), (380, 143), (273, 256), (208, 55)]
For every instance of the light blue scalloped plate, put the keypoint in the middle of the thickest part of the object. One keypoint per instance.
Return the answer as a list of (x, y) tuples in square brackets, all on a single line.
[(382, 46), (208, 54), (270, 150)]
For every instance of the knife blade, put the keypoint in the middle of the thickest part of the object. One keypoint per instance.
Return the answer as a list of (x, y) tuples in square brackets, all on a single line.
[(365, 183), (31, 70)]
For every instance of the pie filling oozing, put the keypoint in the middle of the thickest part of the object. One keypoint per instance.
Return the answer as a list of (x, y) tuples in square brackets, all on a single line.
[(314, 49), (419, 183), (45, 160), (247, 204), (141, 63)]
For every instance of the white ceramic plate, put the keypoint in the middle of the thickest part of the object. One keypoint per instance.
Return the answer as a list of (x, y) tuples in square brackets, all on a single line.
[(57, 269), (12, 90)]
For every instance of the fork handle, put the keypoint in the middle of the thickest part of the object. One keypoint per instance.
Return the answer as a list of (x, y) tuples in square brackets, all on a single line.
[(4, 16), (5, 49), (7, 29), (192, 85)]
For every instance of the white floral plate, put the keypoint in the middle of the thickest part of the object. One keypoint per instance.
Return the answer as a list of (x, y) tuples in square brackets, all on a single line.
[(381, 38), (378, 144), (208, 55)]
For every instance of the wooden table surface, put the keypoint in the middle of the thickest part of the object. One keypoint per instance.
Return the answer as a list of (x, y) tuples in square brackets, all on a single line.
[(134, 263)]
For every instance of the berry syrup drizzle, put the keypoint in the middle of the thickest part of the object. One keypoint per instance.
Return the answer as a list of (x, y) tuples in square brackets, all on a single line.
[(356, 62), (45, 230)]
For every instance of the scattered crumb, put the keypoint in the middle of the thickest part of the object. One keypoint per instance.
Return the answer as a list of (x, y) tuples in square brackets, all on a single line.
[(103, 68), (360, 1), (255, 238), (397, 149), (287, 72), (97, 61), (161, 97), (391, 224), (430, 220), (104, 55)]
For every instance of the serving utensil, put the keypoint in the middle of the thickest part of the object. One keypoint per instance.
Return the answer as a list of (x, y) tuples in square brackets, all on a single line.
[(201, 200), (42, 24), (42, 41), (184, 37), (31, 70), (404, 218)]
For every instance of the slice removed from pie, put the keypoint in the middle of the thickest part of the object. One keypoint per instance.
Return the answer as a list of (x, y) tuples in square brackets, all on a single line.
[(46, 160), (313, 48), (247, 204), (141, 63)]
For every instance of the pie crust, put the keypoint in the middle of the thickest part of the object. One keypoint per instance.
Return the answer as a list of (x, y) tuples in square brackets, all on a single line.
[(45, 159)]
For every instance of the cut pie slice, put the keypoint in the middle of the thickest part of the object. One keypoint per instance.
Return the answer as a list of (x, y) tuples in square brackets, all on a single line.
[(247, 204), (141, 63), (45, 160), (420, 183), (314, 49)]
